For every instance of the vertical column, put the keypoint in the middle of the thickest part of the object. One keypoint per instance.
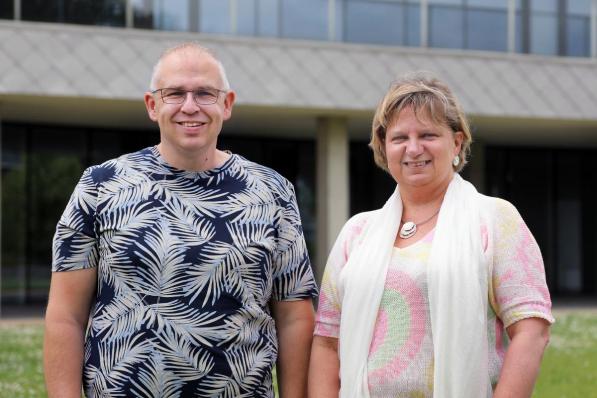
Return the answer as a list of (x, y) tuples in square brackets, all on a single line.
[(424, 23), (128, 14), (17, 10), (332, 186)]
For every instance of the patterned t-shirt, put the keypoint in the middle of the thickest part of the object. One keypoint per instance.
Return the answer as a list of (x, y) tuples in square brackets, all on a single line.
[(187, 263), (400, 362)]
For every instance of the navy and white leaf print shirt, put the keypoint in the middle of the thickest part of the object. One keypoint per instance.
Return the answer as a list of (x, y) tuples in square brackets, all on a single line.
[(187, 263)]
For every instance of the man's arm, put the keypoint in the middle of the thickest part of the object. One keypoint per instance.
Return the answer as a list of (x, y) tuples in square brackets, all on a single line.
[(324, 368), (295, 321), (529, 337), (68, 309)]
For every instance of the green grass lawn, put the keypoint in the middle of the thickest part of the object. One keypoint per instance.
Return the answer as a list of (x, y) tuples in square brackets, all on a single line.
[(568, 371)]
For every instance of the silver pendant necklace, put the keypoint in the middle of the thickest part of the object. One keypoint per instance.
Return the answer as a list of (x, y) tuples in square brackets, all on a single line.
[(409, 228)]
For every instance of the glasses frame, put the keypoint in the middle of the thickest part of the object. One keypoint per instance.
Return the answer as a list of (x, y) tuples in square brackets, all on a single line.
[(161, 91)]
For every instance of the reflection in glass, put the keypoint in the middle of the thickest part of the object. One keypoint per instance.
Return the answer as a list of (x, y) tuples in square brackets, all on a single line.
[(86, 12), (268, 18), (487, 30), (214, 16), (305, 19), (246, 17), (544, 34), (544, 5), (161, 14), (374, 22), (446, 26), (578, 36)]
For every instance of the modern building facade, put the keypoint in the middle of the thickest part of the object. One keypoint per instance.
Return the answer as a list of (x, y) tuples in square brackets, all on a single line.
[(308, 75)]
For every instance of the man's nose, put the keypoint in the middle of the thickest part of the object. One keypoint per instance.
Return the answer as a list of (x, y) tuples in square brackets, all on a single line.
[(189, 104)]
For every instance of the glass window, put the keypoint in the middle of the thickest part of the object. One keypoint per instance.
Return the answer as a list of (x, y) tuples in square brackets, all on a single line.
[(544, 5), (578, 36), (161, 14), (452, 2), (214, 16), (487, 30), (246, 17), (413, 25), (374, 22), (544, 34), (305, 19), (488, 3), (579, 7), (87, 12), (14, 211), (446, 27), (578, 28), (6, 9), (268, 18)]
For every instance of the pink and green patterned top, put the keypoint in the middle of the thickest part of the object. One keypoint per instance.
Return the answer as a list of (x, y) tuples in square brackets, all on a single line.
[(401, 355)]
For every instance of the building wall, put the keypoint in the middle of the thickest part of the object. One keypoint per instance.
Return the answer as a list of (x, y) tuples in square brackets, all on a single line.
[(71, 96)]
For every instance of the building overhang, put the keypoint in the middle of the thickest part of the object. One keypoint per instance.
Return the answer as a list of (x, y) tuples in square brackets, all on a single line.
[(96, 76)]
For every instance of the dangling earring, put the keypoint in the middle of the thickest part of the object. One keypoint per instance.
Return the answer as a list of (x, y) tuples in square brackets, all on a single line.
[(456, 161)]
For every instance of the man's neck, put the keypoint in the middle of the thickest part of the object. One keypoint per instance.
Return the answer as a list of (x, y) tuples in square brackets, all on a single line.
[(193, 161)]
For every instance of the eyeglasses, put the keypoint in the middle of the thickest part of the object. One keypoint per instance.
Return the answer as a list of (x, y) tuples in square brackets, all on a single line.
[(201, 96)]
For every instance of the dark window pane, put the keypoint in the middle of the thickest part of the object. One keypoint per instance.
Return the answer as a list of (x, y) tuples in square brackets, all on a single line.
[(14, 213), (87, 12), (268, 18), (245, 17), (544, 34), (446, 27), (6, 9), (305, 19), (214, 16), (161, 14), (487, 30), (374, 22), (578, 36)]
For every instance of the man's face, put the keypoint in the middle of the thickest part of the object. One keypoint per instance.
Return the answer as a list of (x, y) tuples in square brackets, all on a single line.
[(187, 128)]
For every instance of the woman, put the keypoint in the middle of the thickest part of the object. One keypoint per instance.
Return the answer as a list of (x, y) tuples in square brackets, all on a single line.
[(416, 296)]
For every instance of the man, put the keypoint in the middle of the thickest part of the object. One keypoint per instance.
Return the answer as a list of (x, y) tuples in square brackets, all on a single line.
[(177, 254)]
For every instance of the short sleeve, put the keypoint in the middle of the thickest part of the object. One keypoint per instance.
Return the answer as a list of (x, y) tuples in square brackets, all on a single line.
[(75, 243), (293, 277), (327, 321), (519, 289)]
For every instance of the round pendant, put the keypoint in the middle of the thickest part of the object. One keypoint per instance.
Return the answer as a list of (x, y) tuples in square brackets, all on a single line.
[(408, 229)]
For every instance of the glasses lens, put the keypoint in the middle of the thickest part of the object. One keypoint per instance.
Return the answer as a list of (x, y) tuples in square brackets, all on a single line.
[(173, 96), (206, 96)]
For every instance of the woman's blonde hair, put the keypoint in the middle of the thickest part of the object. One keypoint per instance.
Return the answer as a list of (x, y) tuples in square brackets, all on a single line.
[(423, 93)]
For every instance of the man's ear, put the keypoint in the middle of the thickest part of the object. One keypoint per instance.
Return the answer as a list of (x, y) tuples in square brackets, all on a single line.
[(228, 104), (150, 105)]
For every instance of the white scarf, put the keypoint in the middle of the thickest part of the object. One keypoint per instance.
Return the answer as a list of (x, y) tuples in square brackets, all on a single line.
[(457, 290)]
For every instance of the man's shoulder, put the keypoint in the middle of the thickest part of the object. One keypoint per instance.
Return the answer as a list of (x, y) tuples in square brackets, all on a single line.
[(108, 169), (264, 174)]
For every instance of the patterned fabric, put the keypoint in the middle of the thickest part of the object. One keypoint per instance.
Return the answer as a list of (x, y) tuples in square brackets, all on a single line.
[(187, 263), (401, 354)]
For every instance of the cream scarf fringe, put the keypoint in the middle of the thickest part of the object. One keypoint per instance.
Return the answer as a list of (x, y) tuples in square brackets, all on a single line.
[(457, 281)]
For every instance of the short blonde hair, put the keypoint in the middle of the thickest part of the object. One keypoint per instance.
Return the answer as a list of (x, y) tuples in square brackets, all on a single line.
[(188, 46), (424, 93)]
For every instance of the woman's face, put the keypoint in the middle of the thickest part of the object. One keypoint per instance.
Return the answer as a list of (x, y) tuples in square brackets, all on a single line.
[(420, 152)]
